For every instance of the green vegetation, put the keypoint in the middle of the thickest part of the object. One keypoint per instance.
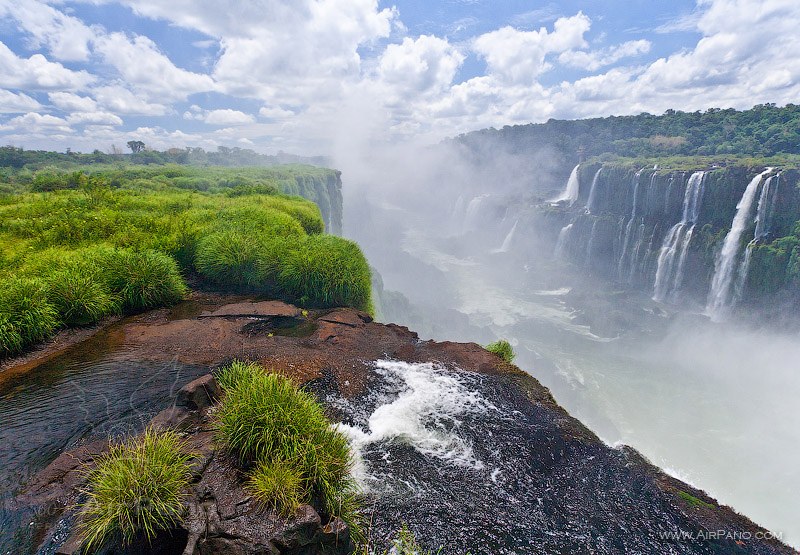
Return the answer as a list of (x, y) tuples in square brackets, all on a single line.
[(694, 501), (764, 130), (280, 434), (503, 349), (136, 489), (85, 246)]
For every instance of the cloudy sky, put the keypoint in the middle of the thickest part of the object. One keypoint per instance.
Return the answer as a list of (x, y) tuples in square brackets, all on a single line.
[(303, 75)]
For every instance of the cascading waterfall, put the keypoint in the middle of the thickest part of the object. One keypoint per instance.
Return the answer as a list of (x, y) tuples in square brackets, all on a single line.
[(473, 209), (506, 246), (626, 241), (572, 189), (669, 276), (722, 295), (590, 246), (590, 204), (561, 244)]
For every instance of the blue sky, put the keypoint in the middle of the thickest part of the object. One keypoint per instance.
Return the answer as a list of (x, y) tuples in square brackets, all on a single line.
[(320, 75)]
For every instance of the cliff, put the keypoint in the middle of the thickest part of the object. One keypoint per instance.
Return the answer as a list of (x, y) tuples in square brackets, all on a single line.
[(473, 454)]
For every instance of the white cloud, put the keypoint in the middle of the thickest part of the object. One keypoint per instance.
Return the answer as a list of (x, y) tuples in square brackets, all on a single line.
[(65, 37), (147, 70), (15, 103), (419, 65), (38, 73), (227, 117), (34, 122), (594, 60), (118, 99), (70, 102), (519, 57), (274, 112), (94, 118)]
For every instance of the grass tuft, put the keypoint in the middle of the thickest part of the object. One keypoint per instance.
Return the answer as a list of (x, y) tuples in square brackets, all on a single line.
[(503, 349), (26, 316), (136, 489), (281, 432)]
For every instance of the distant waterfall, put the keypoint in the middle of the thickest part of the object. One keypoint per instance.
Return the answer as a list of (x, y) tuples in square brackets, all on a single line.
[(473, 209), (506, 246), (766, 206), (572, 189), (590, 204), (590, 246), (563, 238), (672, 257), (722, 294), (623, 257)]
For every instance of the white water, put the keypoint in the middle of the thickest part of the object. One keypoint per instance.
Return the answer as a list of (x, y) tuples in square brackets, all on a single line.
[(424, 414), (561, 244), (593, 191), (766, 206), (721, 296), (590, 246), (572, 189), (628, 228), (506, 246), (669, 276), (473, 211)]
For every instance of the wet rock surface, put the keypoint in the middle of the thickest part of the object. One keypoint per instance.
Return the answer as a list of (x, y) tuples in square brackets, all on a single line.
[(474, 455)]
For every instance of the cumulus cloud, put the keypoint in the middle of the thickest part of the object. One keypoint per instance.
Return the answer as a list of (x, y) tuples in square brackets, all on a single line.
[(64, 37), (38, 73), (227, 117), (94, 118), (121, 100), (593, 60), (70, 102), (15, 103), (34, 122)]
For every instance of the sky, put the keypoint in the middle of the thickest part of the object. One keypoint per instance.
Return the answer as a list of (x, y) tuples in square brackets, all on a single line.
[(311, 76)]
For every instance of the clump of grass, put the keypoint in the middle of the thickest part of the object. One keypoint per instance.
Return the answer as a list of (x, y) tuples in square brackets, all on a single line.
[(281, 433), (26, 316), (278, 484), (694, 501), (136, 489), (503, 349), (79, 296), (231, 258), (147, 279), (327, 271)]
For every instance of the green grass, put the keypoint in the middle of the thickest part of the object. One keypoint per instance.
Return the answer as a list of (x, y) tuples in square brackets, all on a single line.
[(694, 501), (137, 488), (503, 349), (279, 432), (26, 316), (120, 239)]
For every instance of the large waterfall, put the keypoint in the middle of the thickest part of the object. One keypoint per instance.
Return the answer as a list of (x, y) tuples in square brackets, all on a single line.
[(672, 257), (623, 258), (572, 189), (728, 266)]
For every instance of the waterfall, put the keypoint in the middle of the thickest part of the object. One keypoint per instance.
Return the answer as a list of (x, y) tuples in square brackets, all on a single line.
[(572, 189), (561, 244), (590, 246), (593, 191), (669, 276), (473, 209), (506, 246), (721, 298), (629, 227), (766, 206)]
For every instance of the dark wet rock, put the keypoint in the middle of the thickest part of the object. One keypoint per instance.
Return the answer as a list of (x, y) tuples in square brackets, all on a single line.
[(557, 488)]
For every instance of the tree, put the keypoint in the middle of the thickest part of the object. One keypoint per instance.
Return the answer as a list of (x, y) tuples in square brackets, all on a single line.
[(136, 146)]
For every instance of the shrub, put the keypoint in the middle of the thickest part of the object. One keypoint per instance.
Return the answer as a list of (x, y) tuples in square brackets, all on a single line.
[(26, 316), (327, 271), (137, 488), (503, 349), (231, 258), (265, 421)]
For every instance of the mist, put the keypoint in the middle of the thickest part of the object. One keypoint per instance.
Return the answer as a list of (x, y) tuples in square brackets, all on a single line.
[(463, 250)]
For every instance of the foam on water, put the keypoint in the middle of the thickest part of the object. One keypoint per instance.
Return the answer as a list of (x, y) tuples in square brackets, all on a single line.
[(424, 413)]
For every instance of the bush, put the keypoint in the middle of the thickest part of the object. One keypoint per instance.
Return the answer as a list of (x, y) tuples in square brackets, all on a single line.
[(148, 279), (232, 259), (137, 488), (26, 316), (266, 422), (503, 349), (327, 271)]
